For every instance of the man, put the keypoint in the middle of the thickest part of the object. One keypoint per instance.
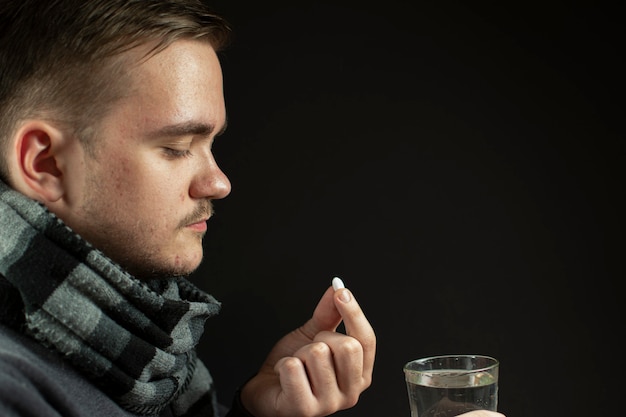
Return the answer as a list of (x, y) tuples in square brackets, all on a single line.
[(108, 110)]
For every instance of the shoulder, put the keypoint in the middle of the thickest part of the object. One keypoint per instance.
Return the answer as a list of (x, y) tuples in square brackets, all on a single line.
[(37, 382), (21, 393), (23, 358), (19, 359)]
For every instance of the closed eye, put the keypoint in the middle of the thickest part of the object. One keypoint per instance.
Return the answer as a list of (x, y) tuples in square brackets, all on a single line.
[(176, 153)]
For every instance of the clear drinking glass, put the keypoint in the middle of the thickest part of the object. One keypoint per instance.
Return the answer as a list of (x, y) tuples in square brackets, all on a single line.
[(446, 386)]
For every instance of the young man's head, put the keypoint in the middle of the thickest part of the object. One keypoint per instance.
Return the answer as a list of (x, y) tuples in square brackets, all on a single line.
[(108, 110)]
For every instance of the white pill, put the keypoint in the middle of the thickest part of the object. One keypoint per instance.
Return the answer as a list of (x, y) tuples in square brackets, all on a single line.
[(338, 283)]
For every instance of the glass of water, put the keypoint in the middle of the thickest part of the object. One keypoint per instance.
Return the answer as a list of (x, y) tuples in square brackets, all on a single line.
[(446, 386)]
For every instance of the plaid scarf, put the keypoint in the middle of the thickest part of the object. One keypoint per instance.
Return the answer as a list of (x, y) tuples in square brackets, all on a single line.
[(134, 340)]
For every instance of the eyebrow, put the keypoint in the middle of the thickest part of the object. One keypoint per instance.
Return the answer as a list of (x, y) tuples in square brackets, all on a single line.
[(187, 129)]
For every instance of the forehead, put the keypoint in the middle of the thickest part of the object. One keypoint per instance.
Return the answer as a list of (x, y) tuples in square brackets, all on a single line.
[(179, 84)]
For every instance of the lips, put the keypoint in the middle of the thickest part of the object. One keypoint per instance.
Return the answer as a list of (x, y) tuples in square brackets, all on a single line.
[(199, 226)]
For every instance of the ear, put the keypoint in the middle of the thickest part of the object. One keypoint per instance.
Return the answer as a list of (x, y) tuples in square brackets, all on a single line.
[(38, 147)]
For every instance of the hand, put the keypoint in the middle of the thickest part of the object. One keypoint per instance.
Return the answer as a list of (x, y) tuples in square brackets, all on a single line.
[(314, 370)]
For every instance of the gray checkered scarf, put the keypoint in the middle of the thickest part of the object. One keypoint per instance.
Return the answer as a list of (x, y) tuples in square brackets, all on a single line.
[(134, 340)]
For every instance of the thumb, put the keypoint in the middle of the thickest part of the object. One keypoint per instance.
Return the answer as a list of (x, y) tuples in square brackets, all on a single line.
[(326, 317)]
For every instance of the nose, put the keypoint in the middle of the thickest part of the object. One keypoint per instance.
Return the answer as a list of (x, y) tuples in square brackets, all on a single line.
[(210, 182)]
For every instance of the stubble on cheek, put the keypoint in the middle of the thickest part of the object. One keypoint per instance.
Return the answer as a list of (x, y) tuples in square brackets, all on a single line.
[(137, 229), (111, 224)]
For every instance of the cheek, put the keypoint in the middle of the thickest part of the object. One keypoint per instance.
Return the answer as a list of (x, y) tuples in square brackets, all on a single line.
[(126, 183), (147, 186), (121, 181)]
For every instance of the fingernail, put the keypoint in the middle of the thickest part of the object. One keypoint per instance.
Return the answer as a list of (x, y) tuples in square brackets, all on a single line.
[(344, 296)]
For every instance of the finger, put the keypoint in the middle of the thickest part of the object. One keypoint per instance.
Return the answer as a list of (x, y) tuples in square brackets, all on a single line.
[(307, 387), (347, 356), (326, 317), (318, 361), (294, 381), (357, 326)]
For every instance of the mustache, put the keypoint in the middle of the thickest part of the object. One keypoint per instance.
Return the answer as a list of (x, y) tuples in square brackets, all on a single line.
[(202, 212)]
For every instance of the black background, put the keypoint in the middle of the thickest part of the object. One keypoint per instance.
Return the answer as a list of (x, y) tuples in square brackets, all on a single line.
[(457, 164)]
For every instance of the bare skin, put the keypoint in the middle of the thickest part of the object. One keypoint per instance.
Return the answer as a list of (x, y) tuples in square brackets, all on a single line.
[(314, 370)]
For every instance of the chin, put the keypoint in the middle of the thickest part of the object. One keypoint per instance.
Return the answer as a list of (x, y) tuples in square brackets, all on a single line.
[(163, 272), (154, 269), (188, 265)]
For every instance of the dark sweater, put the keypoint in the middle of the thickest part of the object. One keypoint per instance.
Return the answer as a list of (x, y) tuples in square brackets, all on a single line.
[(36, 382)]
